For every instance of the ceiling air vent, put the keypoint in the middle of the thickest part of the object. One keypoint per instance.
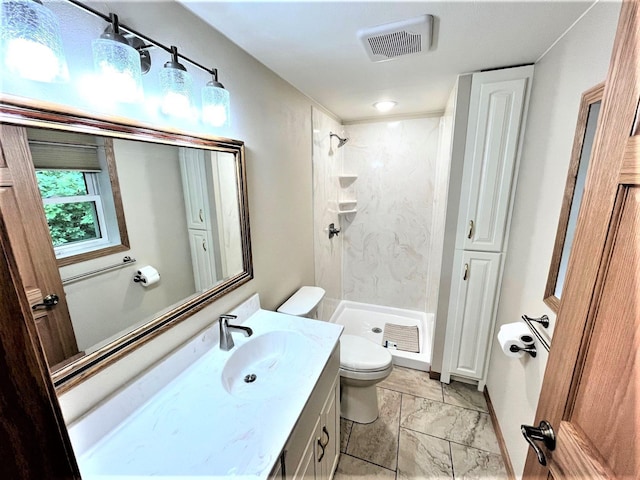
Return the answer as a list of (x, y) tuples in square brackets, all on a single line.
[(392, 40)]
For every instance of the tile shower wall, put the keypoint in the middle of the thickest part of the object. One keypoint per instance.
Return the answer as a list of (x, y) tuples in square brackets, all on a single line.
[(388, 242), (327, 165)]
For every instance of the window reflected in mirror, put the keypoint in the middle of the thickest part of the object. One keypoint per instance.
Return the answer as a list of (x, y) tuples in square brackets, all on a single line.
[(78, 183), (574, 189)]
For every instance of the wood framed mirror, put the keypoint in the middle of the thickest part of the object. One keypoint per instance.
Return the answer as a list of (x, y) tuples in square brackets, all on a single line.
[(573, 191), (182, 205)]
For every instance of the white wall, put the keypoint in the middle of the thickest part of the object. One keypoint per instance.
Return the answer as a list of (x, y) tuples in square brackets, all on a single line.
[(387, 243), (577, 62), (274, 121)]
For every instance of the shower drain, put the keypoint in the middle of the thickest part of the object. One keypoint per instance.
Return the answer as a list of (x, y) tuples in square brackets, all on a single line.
[(376, 330)]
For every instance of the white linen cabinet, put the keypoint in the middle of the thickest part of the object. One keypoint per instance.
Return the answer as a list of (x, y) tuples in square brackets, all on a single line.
[(195, 168), (497, 109)]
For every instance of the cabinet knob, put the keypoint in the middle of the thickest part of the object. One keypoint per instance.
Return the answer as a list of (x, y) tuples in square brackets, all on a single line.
[(465, 275), (202, 217), (204, 245), (470, 233)]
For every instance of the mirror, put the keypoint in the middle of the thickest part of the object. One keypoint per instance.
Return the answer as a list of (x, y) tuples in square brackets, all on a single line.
[(183, 211), (573, 191)]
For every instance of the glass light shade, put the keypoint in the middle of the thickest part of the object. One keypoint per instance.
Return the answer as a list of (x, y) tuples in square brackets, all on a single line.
[(118, 67), (215, 105), (30, 42), (176, 92)]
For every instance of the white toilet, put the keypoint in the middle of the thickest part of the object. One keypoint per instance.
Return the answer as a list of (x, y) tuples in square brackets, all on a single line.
[(363, 363)]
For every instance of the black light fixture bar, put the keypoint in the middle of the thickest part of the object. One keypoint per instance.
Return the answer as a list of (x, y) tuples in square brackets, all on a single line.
[(146, 38)]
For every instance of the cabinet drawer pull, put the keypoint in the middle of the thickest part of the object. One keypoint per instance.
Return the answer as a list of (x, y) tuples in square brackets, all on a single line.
[(470, 233), (202, 218), (466, 272), (324, 430), (322, 447)]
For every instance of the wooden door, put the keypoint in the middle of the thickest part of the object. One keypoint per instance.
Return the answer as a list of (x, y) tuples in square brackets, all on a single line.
[(21, 206), (34, 442), (591, 389)]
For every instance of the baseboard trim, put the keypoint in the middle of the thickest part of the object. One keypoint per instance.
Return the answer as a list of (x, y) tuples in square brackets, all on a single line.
[(503, 446), (434, 375)]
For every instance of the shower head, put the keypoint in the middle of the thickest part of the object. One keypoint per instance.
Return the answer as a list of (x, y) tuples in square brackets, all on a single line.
[(341, 141)]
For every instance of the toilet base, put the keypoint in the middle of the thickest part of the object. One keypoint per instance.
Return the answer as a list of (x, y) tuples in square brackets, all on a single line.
[(358, 403)]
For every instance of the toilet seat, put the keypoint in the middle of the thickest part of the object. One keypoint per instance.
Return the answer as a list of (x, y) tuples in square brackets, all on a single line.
[(359, 355)]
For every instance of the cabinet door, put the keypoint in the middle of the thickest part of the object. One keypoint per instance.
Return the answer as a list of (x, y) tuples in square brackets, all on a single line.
[(194, 183), (308, 468), (471, 313), (202, 259), (329, 433), (493, 136)]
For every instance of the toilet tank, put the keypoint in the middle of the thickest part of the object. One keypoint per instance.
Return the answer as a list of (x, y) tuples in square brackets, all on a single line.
[(303, 303)]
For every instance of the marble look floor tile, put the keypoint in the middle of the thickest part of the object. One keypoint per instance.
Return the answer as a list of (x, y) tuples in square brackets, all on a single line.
[(473, 464), (449, 422), (351, 467), (413, 382), (423, 456), (345, 432), (464, 395), (377, 442)]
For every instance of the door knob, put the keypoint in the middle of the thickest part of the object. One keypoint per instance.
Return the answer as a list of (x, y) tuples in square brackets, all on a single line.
[(543, 432), (47, 302)]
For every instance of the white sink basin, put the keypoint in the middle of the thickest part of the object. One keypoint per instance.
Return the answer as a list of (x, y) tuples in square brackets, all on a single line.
[(258, 367)]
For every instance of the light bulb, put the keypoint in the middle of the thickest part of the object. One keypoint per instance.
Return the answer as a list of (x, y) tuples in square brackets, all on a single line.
[(30, 42), (215, 104), (118, 68)]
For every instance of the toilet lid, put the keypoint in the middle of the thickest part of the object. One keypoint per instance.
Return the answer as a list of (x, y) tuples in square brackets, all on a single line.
[(360, 354), (302, 302)]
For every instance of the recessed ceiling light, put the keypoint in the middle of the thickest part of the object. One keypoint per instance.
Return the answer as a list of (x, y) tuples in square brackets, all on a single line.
[(385, 106)]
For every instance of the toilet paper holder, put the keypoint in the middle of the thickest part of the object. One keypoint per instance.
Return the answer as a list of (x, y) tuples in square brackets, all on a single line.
[(530, 349)]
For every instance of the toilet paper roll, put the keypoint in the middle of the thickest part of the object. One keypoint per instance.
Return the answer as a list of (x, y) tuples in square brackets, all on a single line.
[(516, 333), (148, 275)]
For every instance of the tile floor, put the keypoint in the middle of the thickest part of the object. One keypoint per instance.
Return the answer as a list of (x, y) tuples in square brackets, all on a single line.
[(426, 430)]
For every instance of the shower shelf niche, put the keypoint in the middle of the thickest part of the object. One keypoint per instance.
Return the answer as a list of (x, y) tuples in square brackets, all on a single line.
[(347, 206), (347, 179)]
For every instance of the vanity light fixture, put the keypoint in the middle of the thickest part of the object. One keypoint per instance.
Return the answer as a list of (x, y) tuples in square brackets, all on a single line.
[(215, 103), (30, 41), (31, 47), (385, 105), (118, 65), (175, 83)]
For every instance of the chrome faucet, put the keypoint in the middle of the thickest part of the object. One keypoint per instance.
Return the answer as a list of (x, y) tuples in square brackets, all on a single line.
[(226, 340)]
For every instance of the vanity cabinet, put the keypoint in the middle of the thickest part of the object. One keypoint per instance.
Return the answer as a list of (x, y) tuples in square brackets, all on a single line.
[(497, 109), (313, 447)]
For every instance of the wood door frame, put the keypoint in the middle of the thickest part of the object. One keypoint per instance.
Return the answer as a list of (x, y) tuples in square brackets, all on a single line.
[(575, 317)]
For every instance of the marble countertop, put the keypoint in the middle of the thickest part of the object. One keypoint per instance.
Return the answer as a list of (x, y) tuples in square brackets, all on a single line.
[(194, 427)]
